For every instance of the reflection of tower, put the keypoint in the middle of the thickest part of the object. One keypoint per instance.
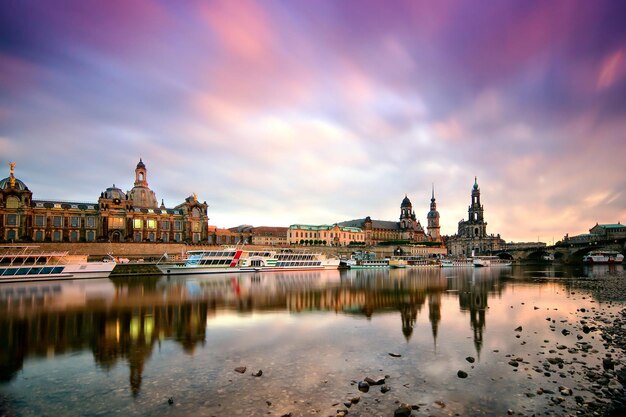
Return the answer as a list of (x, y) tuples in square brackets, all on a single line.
[(474, 298), (434, 313), (408, 315), (409, 310)]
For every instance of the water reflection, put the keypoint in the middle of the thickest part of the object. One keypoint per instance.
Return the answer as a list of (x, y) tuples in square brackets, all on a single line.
[(124, 320)]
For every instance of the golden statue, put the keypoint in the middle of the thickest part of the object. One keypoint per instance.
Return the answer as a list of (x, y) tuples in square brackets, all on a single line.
[(11, 175), (195, 197)]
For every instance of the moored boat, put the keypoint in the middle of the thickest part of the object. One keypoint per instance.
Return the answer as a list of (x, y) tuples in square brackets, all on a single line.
[(487, 261), (27, 263), (603, 257), (232, 260), (456, 262)]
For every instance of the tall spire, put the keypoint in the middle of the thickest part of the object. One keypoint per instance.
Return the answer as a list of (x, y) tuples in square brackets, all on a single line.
[(433, 195), (475, 183)]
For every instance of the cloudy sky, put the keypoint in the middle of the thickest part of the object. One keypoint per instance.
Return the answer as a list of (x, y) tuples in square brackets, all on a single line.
[(281, 112)]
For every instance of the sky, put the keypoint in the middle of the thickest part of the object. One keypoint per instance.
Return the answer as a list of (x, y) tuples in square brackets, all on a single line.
[(315, 112)]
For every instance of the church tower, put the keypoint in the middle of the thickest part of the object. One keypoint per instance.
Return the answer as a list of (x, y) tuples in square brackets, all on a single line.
[(475, 211), (407, 215), (141, 195), (433, 219), (141, 175)]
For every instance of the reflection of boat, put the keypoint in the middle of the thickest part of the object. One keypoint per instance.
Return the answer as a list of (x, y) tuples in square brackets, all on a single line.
[(603, 257), (231, 260), (25, 263), (486, 261), (412, 261), (456, 262)]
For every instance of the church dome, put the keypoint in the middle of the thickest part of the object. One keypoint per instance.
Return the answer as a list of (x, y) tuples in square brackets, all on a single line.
[(143, 197), (140, 164), (432, 214), (406, 202), (113, 192), (6, 184)]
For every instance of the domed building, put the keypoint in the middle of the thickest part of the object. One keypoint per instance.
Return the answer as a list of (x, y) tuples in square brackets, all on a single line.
[(135, 216), (15, 201), (407, 230)]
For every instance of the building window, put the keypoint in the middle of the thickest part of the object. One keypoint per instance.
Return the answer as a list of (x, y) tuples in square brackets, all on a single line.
[(57, 221), (75, 221), (40, 221), (151, 224), (196, 238), (165, 225), (90, 221), (116, 222), (151, 236), (137, 223), (164, 237), (178, 225), (56, 236), (38, 236), (177, 237), (138, 237), (73, 236), (90, 236), (11, 219), (11, 235)]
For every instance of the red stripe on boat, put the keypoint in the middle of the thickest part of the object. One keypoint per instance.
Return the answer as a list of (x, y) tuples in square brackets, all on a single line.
[(233, 263)]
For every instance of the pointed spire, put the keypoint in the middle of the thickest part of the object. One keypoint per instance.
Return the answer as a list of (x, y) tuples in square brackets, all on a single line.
[(433, 194)]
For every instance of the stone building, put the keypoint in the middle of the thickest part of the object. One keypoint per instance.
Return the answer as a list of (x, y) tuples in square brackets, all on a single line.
[(326, 235), (408, 229), (116, 217), (472, 238)]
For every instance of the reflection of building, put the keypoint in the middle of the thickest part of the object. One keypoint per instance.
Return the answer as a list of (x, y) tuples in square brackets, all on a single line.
[(472, 237), (408, 228), (117, 216), (335, 235)]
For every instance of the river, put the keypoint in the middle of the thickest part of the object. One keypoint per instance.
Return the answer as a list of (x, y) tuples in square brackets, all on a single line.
[(170, 346)]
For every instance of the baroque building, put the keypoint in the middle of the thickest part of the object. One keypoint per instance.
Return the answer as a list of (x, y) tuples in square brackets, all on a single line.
[(407, 229), (326, 235), (134, 216), (472, 238)]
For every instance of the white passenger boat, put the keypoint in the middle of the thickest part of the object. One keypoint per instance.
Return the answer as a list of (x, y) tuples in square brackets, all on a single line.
[(603, 257), (456, 263), (486, 261), (364, 260), (27, 263), (231, 260)]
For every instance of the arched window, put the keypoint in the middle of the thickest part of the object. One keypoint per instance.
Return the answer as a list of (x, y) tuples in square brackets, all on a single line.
[(13, 202)]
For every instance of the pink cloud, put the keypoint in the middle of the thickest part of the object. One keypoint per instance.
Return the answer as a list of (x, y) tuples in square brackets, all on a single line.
[(242, 28), (612, 68)]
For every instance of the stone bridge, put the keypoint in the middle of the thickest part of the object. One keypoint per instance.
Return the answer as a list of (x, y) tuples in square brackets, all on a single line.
[(565, 252)]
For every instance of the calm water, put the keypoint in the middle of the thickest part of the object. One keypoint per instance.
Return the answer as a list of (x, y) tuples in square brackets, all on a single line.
[(125, 346)]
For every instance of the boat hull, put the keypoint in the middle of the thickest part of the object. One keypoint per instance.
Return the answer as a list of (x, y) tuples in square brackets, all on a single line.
[(87, 270)]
